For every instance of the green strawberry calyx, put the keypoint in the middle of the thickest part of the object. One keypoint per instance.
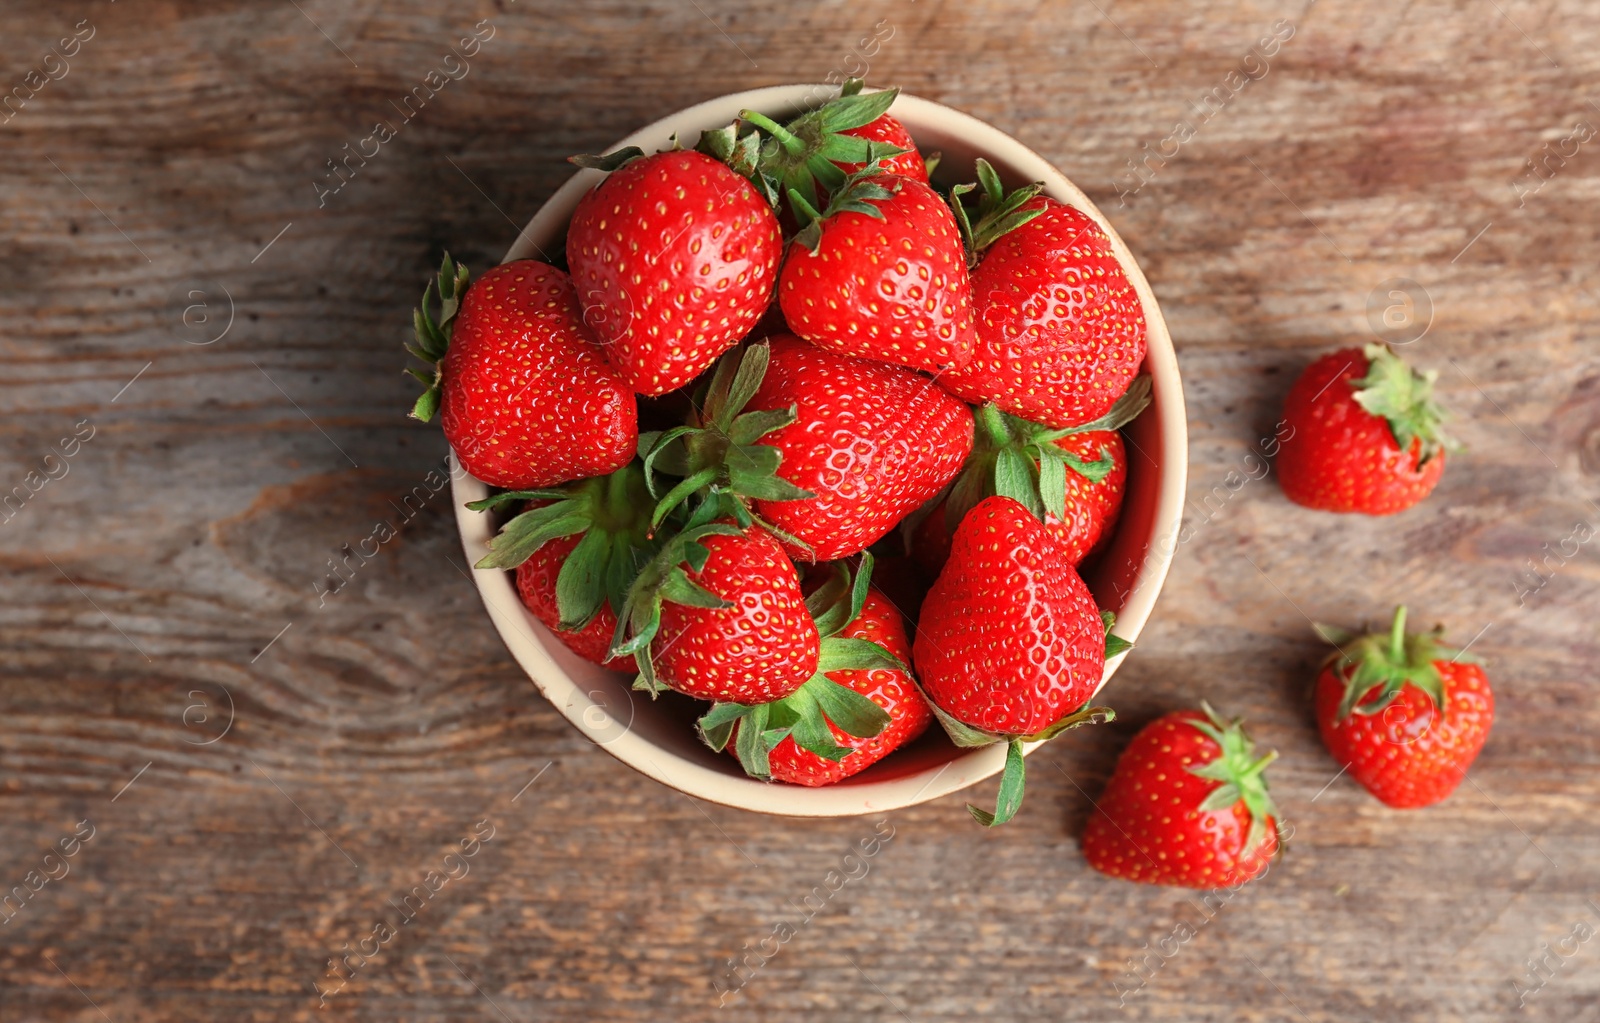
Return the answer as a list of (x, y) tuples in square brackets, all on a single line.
[(801, 156), (1239, 774), (805, 714), (1376, 666), (614, 547), (431, 331), (1020, 460), (665, 578), (999, 212), (740, 148), (716, 456), (1401, 396), (857, 194), (1009, 798)]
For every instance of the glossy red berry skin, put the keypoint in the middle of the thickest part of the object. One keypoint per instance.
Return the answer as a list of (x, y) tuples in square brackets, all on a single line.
[(1061, 330), (894, 691), (1009, 640), (761, 649), (1407, 754), (894, 289), (536, 585), (873, 441), (528, 399), (674, 257), (1148, 825), (1336, 456)]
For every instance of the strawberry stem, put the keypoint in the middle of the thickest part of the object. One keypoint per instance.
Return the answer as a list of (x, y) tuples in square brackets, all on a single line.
[(994, 425), (791, 142)]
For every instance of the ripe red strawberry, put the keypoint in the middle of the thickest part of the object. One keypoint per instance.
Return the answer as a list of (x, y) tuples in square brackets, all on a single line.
[(1010, 645), (881, 274), (1406, 715), (860, 706), (847, 447), (674, 257), (1187, 805), (1072, 480), (1060, 329), (528, 399), (814, 152), (576, 550), (1362, 434), (719, 615)]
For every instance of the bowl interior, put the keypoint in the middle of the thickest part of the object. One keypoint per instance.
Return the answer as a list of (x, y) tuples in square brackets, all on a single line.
[(657, 737)]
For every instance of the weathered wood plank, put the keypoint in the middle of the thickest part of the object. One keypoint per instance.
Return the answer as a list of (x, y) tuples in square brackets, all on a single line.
[(177, 162)]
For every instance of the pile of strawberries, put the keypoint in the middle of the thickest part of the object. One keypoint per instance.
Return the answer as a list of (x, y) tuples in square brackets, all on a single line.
[(776, 364), (789, 398)]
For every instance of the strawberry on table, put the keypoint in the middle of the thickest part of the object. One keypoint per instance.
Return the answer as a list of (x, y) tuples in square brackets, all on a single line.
[(1406, 715), (880, 274), (576, 550), (1060, 328), (1187, 805), (718, 615), (526, 397), (1070, 479), (674, 257), (1362, 434), (1010, 646), (860, 706)]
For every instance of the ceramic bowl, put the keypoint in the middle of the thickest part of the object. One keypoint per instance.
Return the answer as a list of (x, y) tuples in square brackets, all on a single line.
[(657, 737)]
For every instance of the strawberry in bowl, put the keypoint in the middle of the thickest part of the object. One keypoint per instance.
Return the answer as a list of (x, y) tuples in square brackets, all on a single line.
[(786, 291)]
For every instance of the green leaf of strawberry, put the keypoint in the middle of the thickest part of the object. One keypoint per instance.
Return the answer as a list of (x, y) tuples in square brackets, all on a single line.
[(804, 156), (1240, 772), (717, 454), (999, 211), (431, 328), (1377, 666), (1014, 458), (1404, 398), (607, 512)]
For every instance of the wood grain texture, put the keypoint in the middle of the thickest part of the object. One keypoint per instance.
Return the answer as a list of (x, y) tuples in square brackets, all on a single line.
[(141, 590)]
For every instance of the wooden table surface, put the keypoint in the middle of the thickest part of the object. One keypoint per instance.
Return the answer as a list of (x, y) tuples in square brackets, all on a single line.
[(203, 404)]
